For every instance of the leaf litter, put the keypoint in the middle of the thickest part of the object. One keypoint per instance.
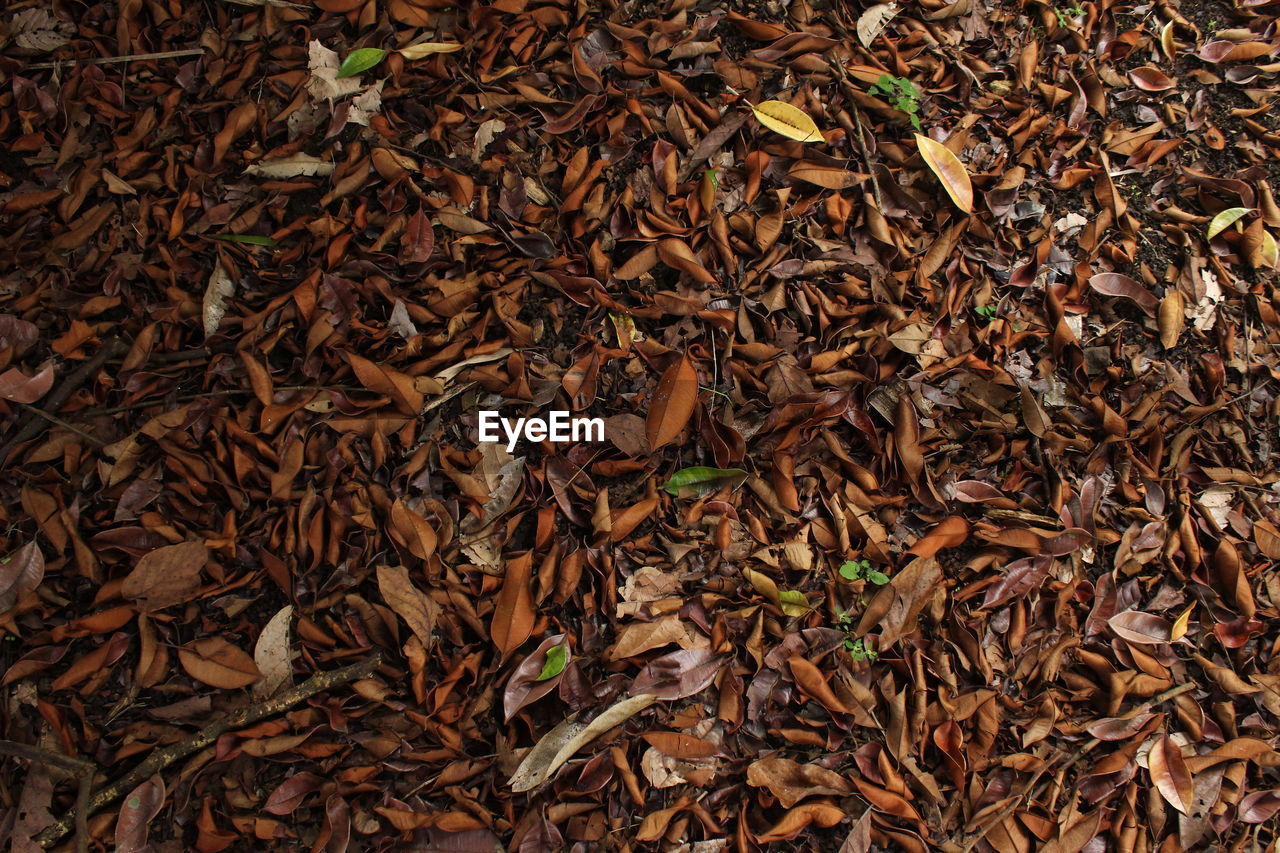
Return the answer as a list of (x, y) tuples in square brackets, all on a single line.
[(936, 347)]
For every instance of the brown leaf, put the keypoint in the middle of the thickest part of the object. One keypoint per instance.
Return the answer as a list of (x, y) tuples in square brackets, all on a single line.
[(20, 573), (410, 604), (673, 403), (1170, 774), (217, 663), (792, 782), (166, 576), (513, 614), (21, 388), (893, 611), (1115, 284)]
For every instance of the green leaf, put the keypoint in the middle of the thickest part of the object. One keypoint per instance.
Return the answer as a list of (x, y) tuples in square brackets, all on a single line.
[(851, 570), (793, 602), (360, 60), (1225, 220), (556, 657), (877, 578), (252, 239), (700, 480)]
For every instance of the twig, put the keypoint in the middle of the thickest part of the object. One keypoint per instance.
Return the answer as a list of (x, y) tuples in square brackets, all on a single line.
[(278, 3), (33, 425), (162, 758), (857, 125), (82, 770), (225, 392), (57, 421), (110, 60)]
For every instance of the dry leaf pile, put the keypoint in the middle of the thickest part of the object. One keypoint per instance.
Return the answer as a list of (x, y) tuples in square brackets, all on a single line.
[(936, 345)]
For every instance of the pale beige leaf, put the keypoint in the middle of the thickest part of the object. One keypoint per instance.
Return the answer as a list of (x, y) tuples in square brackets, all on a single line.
[(429, 48), (271, 654), (560, 744), (216, 293), (409, 603)]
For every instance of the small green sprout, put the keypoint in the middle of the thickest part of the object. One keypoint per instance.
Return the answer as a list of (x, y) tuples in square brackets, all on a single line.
[(853, 570), (987, 312), (901, 94)]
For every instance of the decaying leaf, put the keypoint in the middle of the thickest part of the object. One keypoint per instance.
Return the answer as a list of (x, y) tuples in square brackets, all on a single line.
[(559, 745)]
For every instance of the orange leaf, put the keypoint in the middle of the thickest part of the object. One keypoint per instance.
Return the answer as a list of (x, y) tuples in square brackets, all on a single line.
[(948, 533), (673, 403), (1170, 774), (513, 615), (218, 663)]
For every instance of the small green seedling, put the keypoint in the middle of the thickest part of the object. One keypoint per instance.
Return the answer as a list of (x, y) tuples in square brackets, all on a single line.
[(987, 312), (853, 570), (855, 646), (1067, 14), (901, 94)]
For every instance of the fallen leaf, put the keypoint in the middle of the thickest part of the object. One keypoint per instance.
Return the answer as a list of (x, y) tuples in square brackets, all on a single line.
[(784, 119), (950, 171)]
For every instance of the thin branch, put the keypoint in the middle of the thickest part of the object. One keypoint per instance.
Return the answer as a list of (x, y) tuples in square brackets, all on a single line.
[(111, 60), (57, 421), (161, 758), (32, 426)]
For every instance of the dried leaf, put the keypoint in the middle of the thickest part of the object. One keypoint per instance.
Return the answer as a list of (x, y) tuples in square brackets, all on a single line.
[(559, 745), (950, 171), (784, 119), (217, 663)]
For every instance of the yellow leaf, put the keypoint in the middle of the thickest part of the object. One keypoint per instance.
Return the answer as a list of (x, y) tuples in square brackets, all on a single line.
[(1224, 220), (428, 48), (789, 121), (950, 171), (1180, 624), (1270, 253)]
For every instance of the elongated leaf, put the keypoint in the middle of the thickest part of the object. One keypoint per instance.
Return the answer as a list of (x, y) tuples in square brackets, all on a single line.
[(1117, 284), (673, 403), (700, 480), (558, 745), (429, 48), (1170, 774), (786, 120), (251, 239), (360, 60), (950, 171), (1224, 220)]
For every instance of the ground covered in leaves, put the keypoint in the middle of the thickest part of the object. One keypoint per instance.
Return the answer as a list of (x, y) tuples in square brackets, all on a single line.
[(936, 349)]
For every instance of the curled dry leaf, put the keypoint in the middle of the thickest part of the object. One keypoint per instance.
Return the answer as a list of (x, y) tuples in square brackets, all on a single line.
[(1116, 284), (526, 684), (21, 388)]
